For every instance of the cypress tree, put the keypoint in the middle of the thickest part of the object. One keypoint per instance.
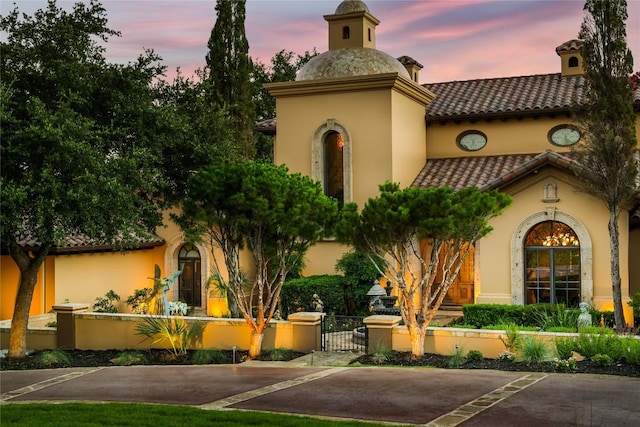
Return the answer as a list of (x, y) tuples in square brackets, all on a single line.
[(607, 158), (229, 73)]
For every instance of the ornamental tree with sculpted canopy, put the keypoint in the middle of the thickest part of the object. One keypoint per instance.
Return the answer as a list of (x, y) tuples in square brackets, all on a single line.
[(260, 206), (420, 232)]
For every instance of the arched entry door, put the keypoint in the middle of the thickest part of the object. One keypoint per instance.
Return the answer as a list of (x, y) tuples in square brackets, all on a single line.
[(552, 264), (461, 290), (190, 288)]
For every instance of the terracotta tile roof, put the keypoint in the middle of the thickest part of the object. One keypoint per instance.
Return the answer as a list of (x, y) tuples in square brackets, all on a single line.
[(266, 126), (499, 97), (486, 172), (80, 243), (407, 60), (570, 46)]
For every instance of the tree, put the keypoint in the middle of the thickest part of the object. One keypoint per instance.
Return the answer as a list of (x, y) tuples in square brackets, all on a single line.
[(229, 71), (607, 158), (276, 215), (421, 232), (283, 68), (84, 145)]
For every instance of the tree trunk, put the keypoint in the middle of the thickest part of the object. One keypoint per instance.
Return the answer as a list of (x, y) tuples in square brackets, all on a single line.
[(29, 268), (416, 334), (616, 282), (255, 345)]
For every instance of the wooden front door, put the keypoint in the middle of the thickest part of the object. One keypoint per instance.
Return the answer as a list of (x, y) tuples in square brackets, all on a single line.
[(462, 289)]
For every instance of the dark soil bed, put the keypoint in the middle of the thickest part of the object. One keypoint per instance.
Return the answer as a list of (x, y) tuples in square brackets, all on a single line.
[(94, 358), (395, 358)]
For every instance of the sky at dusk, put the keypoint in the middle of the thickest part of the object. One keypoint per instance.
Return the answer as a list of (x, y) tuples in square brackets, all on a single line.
[(452, 39)]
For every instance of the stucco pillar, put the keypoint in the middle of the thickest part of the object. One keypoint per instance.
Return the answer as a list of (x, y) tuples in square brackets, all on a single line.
[(66, 323), (381, 331), (306, 331)]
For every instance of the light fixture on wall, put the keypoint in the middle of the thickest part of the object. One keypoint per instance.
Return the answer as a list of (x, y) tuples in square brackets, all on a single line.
[(340, 141)]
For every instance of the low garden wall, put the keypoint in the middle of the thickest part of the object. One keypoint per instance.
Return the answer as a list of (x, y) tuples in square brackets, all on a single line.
[(77, 328)]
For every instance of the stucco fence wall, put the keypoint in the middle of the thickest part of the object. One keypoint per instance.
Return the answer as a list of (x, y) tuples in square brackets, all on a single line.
[(386, 332), (83, 330)]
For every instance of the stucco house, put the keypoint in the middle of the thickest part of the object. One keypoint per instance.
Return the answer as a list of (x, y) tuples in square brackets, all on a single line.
[(356, 117)]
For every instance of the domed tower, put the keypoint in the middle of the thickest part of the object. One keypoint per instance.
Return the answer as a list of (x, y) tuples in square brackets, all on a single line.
[(352, 26), (353, 119)]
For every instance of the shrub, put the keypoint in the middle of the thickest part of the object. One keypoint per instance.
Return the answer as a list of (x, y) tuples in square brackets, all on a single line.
[(631, 350), (547, 316), (565, 365), (298, 293), (635, 304), (209, 357), (560, 329), (507, 326), (491, 314), (278, 354), (106, 304), (601, 359), (381, 353), (53, 359), (590, 344), (565, 347), (475, 356), (457, 358), (506, 356), (512, 340), (180, 334), (359, 274), (51, 324), (128, 358), (533, 350), (139, 301)]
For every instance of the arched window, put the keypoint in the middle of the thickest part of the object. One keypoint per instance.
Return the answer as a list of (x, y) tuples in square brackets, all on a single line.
[(552, 264), (331, 160), (369, 33), (573, 62), (189, 263), (334, 166), (346, 33)]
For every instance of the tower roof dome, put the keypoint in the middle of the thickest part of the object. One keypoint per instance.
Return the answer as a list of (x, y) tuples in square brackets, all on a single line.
[(351, 6), (350, 62)]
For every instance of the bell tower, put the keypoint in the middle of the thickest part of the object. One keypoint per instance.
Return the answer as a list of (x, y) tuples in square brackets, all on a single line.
[(352, 26)]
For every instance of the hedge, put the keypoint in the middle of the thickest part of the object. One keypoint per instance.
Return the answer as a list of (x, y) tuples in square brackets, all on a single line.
[(297, 294)]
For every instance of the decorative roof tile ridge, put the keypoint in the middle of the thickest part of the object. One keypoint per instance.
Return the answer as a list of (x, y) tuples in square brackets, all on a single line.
[(495, 79), (546, 157)]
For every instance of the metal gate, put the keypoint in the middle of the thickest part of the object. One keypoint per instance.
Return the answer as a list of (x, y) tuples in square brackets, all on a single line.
[(344, 333)]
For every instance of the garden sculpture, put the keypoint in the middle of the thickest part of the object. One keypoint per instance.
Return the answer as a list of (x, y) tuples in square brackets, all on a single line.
[(584, 319), (317, 304)]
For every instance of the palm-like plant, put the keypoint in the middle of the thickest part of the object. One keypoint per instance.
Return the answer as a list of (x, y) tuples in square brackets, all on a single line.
[(180, 334)]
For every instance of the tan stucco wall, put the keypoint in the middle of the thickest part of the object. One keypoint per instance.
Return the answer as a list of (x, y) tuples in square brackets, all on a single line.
[(503, 137), (362, 113), (408, 132), (494, 252), (82, 278)]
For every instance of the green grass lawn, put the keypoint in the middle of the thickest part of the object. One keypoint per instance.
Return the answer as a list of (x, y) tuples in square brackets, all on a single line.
[(141, 415)]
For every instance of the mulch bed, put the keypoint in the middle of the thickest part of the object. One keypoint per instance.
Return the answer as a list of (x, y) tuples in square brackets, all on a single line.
[(95, 358), (395, 358)]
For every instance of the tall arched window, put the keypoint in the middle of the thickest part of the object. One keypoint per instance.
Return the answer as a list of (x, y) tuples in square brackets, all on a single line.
[(552, 264), (346, 33), (189, 263), (334, 166)]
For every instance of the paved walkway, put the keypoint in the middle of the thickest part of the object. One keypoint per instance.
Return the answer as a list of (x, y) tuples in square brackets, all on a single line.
[(320, 384)]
